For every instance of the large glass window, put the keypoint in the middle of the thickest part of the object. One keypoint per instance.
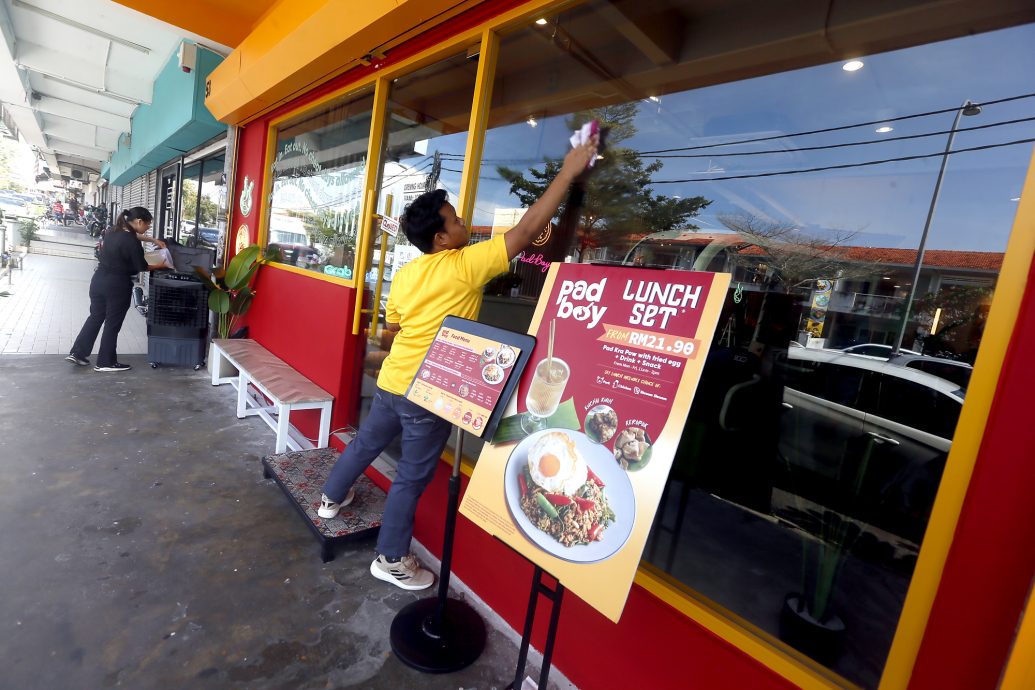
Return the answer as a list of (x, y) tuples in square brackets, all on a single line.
[(318, 175), (428, 116), (809, 463)]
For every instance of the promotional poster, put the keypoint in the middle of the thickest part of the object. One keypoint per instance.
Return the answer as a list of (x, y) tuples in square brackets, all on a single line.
[(575, 471)]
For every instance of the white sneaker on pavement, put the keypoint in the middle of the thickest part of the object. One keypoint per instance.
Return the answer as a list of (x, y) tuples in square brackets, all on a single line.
[(405, 573)]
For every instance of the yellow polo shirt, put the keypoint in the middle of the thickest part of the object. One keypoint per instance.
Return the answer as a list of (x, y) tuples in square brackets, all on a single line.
[(427, 290)]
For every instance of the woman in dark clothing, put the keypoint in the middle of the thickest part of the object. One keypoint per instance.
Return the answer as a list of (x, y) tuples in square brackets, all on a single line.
[(111, 289)]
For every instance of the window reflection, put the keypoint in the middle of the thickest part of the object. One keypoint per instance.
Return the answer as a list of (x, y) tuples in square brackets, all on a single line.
[(318, 173), (811, 458)]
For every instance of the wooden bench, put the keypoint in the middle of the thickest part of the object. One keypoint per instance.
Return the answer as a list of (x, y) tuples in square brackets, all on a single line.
[(276, 380)]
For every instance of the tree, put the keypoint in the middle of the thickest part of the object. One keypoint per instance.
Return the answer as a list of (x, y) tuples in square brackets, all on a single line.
[(961, 312), (209, 208), (788, 257), (616, 200)]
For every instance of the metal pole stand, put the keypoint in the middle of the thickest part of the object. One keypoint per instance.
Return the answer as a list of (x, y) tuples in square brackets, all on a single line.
[(439, 634), (556, 595)]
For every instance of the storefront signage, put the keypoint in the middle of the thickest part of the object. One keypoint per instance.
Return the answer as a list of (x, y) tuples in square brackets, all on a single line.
[(578, 465), (390, 225), (243, 238), (462, 377), (247, 194)]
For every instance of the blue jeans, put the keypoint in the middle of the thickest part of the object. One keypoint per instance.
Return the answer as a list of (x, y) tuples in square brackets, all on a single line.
[(424, 436)]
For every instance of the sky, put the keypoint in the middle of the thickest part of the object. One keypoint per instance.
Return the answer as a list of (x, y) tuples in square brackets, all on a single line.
[(884, 205)]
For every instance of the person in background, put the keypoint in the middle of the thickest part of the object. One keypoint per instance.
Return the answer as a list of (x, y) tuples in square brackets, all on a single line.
[(446, 280), (121, 257)]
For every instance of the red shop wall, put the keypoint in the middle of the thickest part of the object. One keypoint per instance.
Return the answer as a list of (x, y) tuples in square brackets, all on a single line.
[(992, 559)]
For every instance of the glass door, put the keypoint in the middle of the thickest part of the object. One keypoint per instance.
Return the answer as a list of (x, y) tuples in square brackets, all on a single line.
[(167, 204), (424, 142)]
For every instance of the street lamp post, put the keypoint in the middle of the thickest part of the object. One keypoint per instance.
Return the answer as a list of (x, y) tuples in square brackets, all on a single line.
[(968, 109)]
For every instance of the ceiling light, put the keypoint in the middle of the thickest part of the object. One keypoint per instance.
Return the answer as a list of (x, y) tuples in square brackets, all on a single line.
[(540, 21), (1016, 198), (532, 122), (886, 278), (654, 98), (884, 130), (852, 65)]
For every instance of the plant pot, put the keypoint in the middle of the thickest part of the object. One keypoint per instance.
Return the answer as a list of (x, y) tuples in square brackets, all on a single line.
[(822, 641)]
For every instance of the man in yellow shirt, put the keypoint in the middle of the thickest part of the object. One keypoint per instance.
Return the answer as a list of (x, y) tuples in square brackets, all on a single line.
[(446, 280)]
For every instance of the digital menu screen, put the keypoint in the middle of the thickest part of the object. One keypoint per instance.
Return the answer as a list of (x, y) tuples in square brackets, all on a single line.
[(462, 378)]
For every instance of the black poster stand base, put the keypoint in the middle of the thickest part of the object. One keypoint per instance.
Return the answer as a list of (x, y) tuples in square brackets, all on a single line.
[(556, 595), (441, 635)]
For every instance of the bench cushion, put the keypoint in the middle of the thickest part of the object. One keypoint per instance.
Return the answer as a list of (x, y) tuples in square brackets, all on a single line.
[(282, 381)]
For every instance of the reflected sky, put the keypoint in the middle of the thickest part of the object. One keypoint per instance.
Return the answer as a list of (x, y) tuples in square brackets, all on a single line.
[(884, 205)]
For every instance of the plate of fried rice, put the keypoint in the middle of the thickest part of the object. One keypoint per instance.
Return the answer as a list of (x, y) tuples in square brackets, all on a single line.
[(568, 496)]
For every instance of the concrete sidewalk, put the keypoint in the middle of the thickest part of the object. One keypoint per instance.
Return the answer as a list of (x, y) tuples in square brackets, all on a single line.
[(48, 304), (141, 547)]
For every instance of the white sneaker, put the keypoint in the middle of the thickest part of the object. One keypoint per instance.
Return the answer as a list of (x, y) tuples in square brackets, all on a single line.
[(329, 509), (405, 573)]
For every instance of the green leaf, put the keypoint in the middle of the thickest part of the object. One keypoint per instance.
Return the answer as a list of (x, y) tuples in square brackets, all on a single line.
[(510, 429), (206, 277), (240, 302), (219, 301), (242, 267)]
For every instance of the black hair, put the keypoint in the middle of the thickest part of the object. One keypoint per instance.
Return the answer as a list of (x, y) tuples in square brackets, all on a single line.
[(421, 220), (128, 214)]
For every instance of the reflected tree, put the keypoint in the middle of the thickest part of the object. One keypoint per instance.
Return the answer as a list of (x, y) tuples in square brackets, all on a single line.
[(782, 256), (615, 202)]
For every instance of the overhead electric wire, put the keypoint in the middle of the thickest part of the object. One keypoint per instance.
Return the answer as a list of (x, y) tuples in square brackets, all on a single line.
[(846, 165), (848, 144), (882, 140), (838, 128)]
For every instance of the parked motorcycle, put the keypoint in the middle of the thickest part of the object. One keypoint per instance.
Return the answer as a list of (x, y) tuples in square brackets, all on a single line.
[(71, 218), (96, 221)]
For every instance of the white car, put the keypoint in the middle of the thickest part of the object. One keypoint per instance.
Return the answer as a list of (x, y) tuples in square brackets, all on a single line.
[(864, 437), (875, 350)]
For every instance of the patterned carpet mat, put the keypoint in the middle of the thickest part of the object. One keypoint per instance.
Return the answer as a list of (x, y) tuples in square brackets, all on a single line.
[(302, 474)]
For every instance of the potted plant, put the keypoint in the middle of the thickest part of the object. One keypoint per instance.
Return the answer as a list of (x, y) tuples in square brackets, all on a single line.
[(230, 292), (808, 621)]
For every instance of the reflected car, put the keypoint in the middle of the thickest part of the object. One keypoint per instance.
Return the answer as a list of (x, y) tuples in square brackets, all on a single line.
[(948, 369), (294, 254), (12, 206), (877, 350), (207, 237), (865, 438)]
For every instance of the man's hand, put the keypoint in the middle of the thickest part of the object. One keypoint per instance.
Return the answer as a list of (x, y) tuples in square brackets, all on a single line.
[(536, 218), (578, 159)]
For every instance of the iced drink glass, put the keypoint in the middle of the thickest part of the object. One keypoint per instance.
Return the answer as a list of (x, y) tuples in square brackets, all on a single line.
[(544, 393)]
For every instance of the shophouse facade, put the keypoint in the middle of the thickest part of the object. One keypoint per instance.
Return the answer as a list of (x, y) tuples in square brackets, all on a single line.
[(896, 505)]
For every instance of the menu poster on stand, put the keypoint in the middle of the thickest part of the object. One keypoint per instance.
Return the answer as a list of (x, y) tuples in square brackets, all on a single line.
[(467, 370), (577, 467)]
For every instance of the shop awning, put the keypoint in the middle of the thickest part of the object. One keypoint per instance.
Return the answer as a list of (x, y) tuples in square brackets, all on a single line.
[(173, 123)]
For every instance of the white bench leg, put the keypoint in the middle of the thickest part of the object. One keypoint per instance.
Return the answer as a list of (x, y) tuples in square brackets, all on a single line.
[(242, 395), (282, 427), (215, 358), (325, 426)]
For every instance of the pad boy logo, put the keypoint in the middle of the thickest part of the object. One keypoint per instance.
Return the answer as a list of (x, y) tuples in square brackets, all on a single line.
[(573, 291)]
